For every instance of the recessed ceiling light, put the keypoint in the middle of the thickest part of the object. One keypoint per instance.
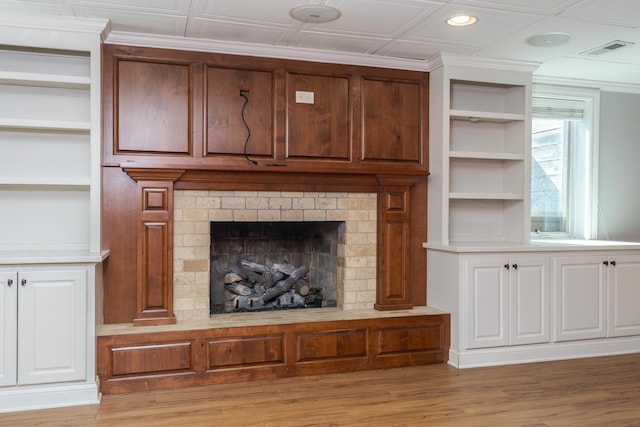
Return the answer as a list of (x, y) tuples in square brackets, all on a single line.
[(548, 39), (315, 13), (461, 20)]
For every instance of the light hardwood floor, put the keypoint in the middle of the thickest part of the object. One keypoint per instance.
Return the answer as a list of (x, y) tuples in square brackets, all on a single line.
[(588, 392)]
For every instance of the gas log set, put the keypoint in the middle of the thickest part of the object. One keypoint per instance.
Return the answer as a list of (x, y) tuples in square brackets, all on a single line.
[(257, 287)]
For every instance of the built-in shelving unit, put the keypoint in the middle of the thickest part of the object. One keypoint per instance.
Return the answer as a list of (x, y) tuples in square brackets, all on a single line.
[(479, 143), (50, 192), (47, 172)]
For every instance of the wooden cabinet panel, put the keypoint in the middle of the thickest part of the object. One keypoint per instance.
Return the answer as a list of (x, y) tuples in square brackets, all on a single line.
[(239, 112), (151, 358), (393, 120), (245, 351), (152, 108), (402, 339), (318, 117), (331, 345)]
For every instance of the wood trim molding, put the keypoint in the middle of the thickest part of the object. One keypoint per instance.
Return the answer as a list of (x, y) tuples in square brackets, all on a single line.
[(153, 174)]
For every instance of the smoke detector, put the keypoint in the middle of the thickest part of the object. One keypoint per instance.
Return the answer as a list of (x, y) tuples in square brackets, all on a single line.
[(607, 48)]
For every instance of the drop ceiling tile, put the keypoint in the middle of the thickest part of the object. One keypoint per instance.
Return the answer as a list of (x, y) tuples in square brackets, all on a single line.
[(273, 12), (38, 7), (373, 17), (137, 22), (173, 7), (420, 50), (491, 25), (574, 68), (617, 12), (337, 42), (583, 36), (238, 32), (540, 7)]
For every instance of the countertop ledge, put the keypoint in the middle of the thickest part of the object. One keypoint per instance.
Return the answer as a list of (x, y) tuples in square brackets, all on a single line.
[(544, 245), (51, 257)]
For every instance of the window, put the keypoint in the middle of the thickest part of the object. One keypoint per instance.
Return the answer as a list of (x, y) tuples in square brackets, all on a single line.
[(564, 162)]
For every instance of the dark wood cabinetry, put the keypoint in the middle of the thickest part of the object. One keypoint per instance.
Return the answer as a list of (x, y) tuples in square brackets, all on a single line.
[(319, 117), (154, 108), (221, 111), (239, 112), (178, 120), (194, 120)]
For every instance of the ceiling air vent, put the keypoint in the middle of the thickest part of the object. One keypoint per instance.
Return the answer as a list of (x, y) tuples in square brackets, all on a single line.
[(606, 48)]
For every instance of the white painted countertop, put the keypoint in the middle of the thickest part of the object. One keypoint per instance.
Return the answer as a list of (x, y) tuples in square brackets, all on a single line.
[(543, 245), (51, 257)]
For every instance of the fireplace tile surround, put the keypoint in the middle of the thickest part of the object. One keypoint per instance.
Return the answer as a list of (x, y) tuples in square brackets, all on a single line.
[(195, 209)]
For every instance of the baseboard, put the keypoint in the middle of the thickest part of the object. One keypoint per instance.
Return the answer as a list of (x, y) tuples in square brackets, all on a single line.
[(29, 398), (543, 352)]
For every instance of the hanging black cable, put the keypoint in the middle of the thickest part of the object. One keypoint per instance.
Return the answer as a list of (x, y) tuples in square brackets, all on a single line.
[(245, 95)]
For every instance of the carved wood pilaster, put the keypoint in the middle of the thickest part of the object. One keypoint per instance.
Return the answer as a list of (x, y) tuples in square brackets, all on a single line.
[(394, 232), (155, 245)]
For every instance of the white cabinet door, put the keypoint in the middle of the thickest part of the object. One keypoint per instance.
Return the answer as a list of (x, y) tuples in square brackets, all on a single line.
[(487, 298), (623, 275), (8, 327), (508, 301), (529, 300), (52, 322), (580, 297)]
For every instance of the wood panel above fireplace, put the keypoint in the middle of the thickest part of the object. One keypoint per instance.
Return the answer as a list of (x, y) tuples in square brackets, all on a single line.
[(176, 119)]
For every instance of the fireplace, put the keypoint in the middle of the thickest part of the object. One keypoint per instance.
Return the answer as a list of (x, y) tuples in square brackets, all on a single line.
[(263, 266), (196, 210)]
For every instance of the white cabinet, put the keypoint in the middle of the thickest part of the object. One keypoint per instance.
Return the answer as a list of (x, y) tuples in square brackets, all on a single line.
[(528, 303), (623, 278), (508, 301), (50, 328), (479, 152), (597, 296), (8, 328), (580, 297)]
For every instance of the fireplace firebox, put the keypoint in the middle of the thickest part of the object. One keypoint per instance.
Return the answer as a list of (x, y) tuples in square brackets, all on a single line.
[(257, 266)]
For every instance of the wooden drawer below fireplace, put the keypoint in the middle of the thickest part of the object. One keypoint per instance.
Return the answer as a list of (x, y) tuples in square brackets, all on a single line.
[(174, 359)]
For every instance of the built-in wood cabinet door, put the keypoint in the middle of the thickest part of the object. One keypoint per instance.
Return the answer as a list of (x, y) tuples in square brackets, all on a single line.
[(580, 297), (393, 120), (152, 113), (8, 327), (318, 117), (52, 326), (239, 112)]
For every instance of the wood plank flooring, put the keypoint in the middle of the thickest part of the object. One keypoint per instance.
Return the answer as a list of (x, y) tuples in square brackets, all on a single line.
[(587, 392)]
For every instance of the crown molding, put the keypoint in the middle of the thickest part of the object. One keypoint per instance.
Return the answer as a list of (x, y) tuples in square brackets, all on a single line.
[(451, 59), (604, 86), (57, 23), (267, 51)]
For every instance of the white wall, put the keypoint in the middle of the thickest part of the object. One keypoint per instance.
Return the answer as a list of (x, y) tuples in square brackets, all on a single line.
[(619, 166)]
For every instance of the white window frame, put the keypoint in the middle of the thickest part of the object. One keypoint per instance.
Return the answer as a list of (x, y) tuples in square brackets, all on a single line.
[(583, 211)]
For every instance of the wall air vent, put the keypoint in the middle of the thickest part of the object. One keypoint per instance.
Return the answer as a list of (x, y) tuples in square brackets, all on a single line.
[(607, 48)]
